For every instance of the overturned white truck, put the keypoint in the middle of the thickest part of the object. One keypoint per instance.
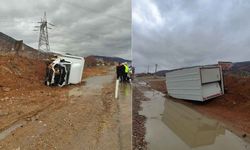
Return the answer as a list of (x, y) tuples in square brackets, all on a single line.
[(195, 83), (64, 70)]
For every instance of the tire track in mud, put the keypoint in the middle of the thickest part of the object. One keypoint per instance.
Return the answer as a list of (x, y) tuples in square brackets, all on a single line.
[(30, 117), (89, 120)]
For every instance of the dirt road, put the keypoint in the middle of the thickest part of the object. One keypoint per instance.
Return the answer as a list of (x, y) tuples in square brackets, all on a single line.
[(88, 118)]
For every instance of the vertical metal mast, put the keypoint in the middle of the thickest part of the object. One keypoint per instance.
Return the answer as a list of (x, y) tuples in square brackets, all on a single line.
[(43, 43)]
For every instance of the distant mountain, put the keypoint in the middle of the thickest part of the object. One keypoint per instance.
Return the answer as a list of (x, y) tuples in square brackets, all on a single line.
[(162, 72), (239, 68), (112, 59), (94, 60)]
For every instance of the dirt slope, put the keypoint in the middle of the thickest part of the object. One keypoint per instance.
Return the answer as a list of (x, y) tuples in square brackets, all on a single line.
[(234, 106), (73, 117), (22, 92), (22, 89)]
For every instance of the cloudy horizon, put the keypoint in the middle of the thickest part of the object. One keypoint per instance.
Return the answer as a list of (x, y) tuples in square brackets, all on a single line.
[(81, 27), (179, 33)]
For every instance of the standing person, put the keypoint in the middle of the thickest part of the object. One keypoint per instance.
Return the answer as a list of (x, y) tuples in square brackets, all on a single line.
[(123, 77), (119, 72), (133, 73), (126, 69)]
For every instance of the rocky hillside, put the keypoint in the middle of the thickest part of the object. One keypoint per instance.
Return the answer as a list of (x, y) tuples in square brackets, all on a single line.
[(241, 68), (94, 60)]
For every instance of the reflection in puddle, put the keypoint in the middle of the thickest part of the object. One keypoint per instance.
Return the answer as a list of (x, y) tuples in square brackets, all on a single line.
[(125, 116), (174, 126), (125, 91), (142, 83)]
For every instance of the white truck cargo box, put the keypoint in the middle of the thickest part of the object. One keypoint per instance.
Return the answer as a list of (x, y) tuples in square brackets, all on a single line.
[(76, 68), (196, 83), (66, 69)]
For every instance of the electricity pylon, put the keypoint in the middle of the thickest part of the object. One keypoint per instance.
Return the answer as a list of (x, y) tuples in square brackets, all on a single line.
[(43, 43)]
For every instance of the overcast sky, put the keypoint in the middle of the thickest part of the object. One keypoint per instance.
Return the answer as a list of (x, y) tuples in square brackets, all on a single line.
[(180, 33), (84, 27)]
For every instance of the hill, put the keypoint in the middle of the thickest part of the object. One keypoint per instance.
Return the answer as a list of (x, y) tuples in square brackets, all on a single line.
[(94, 60), (112, 59), (241, 68)]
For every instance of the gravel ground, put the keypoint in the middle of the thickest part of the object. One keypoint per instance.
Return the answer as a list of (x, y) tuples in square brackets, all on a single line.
[(139, 142)]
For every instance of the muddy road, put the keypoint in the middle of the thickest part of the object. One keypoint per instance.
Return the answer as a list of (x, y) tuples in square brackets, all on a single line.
[(172, 125), (89, 118)]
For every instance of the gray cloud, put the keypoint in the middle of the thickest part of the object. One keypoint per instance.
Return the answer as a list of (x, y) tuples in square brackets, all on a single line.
[(179, 33), (82, 27)]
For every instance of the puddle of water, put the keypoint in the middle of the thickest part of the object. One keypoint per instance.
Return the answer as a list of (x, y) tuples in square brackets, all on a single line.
[(98, 81), (76, 92), (125, 91), (125, 116), (142, 83), (92, 84), (174, 126)]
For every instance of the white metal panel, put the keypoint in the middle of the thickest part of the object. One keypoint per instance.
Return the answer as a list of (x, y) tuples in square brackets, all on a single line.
[(184, 84), (211, 90), (197, 83), (210, 74), (76, 68), (75, 73)]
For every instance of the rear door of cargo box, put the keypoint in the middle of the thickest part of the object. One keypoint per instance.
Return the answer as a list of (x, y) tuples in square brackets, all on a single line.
[(210, 79), (211, 90), (210, 75)]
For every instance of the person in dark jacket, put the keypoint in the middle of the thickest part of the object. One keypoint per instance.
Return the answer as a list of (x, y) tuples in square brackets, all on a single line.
[(119, 72)]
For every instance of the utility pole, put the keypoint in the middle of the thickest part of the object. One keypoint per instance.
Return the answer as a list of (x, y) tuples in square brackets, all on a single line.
[(156, 65), (148, 69), (43, 43)]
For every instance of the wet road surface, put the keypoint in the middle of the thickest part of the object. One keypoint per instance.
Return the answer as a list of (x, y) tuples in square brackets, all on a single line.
[(174, 126), (125, 113)]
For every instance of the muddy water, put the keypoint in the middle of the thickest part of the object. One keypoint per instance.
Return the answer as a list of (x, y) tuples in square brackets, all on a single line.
[(173, 126), (125, 116), (92, 83)]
